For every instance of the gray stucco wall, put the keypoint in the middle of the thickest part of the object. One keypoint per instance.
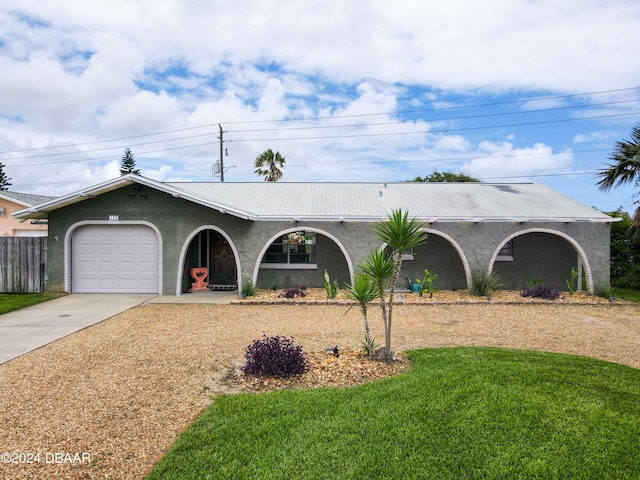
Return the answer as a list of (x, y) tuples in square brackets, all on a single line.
[(328, 256), (543, 255), (341, 246), (439, 257)]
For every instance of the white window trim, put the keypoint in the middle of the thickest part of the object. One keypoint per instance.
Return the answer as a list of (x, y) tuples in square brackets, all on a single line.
[(288, 266)]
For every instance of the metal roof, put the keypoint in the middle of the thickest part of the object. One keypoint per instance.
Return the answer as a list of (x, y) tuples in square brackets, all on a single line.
[(429, 202), (374, 201)]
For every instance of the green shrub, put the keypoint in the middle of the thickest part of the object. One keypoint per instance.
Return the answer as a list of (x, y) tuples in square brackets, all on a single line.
[(630, 279), (602, 291), (427, 283), (330, 288), (483, 283), (248, 289), (534, 282), (572, 280)]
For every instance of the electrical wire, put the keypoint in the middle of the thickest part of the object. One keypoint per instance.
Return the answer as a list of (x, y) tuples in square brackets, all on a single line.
[(446, 130), (446, 119), (397, 112), (326, 137)]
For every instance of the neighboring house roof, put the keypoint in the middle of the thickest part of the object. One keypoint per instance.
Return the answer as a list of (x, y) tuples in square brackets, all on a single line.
[(26, 199), (430, 202)]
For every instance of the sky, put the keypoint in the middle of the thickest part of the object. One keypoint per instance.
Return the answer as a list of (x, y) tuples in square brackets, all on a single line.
[(352, 90)]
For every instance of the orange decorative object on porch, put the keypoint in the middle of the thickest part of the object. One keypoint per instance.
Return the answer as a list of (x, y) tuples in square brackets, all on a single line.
[(199, 274)]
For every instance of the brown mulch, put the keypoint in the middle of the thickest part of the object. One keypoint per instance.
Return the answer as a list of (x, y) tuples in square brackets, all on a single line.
[(441, 297), (123, 390), (327, 370)]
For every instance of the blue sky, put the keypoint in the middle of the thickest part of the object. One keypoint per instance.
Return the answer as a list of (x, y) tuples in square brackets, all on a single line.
[(347, 90)]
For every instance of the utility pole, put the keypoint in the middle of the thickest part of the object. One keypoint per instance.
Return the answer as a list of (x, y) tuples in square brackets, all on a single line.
[(221, 162)]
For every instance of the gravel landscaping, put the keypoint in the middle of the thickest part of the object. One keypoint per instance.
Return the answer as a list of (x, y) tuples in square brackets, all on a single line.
[(123, 390)]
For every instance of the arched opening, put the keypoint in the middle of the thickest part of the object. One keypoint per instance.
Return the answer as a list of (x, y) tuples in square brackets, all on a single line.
[(298, 257), (541, 255), (442, 256), (208, 247)]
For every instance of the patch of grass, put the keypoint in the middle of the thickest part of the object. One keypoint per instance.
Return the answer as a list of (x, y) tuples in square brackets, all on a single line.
[(626, 294), (457, 413), (15, 301)]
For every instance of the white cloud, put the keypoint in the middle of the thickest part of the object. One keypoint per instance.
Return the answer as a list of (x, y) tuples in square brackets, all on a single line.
[(505, 161), (455, 143), (77, 72), (598, 136)]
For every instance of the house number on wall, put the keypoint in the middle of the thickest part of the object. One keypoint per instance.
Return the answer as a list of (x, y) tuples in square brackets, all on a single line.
[(114, 217)]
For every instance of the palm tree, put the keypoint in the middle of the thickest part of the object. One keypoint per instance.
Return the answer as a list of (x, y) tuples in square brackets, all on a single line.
[(267, 164), (400, 233), (378, 266), (363, 290), (625, 169)]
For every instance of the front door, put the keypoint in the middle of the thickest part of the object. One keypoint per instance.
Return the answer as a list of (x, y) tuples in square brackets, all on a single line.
[(222, 270)]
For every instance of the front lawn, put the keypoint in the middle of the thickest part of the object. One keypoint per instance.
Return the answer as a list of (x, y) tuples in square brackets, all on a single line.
[(16, 301), (626, 294), (457, 413)]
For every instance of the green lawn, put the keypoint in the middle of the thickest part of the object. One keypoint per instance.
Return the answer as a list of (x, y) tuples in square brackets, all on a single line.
[(459, 413), (626, 294), (16, 301)]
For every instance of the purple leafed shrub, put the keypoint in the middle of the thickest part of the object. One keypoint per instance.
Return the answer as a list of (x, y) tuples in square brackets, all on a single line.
[(275, 357), (293, 293), (540, 291)]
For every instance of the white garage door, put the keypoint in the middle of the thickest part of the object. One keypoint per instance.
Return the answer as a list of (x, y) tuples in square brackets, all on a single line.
[(114, 259)]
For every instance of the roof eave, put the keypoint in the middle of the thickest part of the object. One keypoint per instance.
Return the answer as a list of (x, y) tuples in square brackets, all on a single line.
[(41, 211)]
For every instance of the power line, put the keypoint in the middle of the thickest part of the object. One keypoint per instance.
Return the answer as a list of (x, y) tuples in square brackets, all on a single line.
[(540, 175), (110, 148), (397, 112), (326, 137), (443, 159), (466, 117), (446, 130), (106, 141), (109, 156), (480, 178)]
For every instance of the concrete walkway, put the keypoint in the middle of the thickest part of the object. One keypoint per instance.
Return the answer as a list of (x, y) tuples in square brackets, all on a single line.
[(197, 297), (32, 327)]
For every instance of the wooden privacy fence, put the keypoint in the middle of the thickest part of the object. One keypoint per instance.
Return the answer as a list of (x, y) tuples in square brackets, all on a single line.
[(23, 264)]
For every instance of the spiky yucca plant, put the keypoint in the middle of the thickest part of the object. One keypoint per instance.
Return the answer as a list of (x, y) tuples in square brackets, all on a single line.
[(364, 290), (400, 233)]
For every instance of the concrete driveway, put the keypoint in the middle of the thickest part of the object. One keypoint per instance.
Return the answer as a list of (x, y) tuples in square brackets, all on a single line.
[(33, 327)]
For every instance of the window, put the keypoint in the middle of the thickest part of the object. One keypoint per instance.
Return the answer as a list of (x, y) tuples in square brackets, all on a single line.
[(295, 248), (506, 252)]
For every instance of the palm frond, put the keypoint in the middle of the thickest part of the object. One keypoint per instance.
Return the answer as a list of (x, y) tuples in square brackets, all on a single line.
[(400, 232), (378, 266), (625, 163)]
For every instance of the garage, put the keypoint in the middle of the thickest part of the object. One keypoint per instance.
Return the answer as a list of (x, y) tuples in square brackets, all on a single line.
[(114, 259)]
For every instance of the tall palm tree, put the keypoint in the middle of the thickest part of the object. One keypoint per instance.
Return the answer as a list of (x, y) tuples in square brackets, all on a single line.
[(267, 164), (624, 169), (363, 290), (400, 233)]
